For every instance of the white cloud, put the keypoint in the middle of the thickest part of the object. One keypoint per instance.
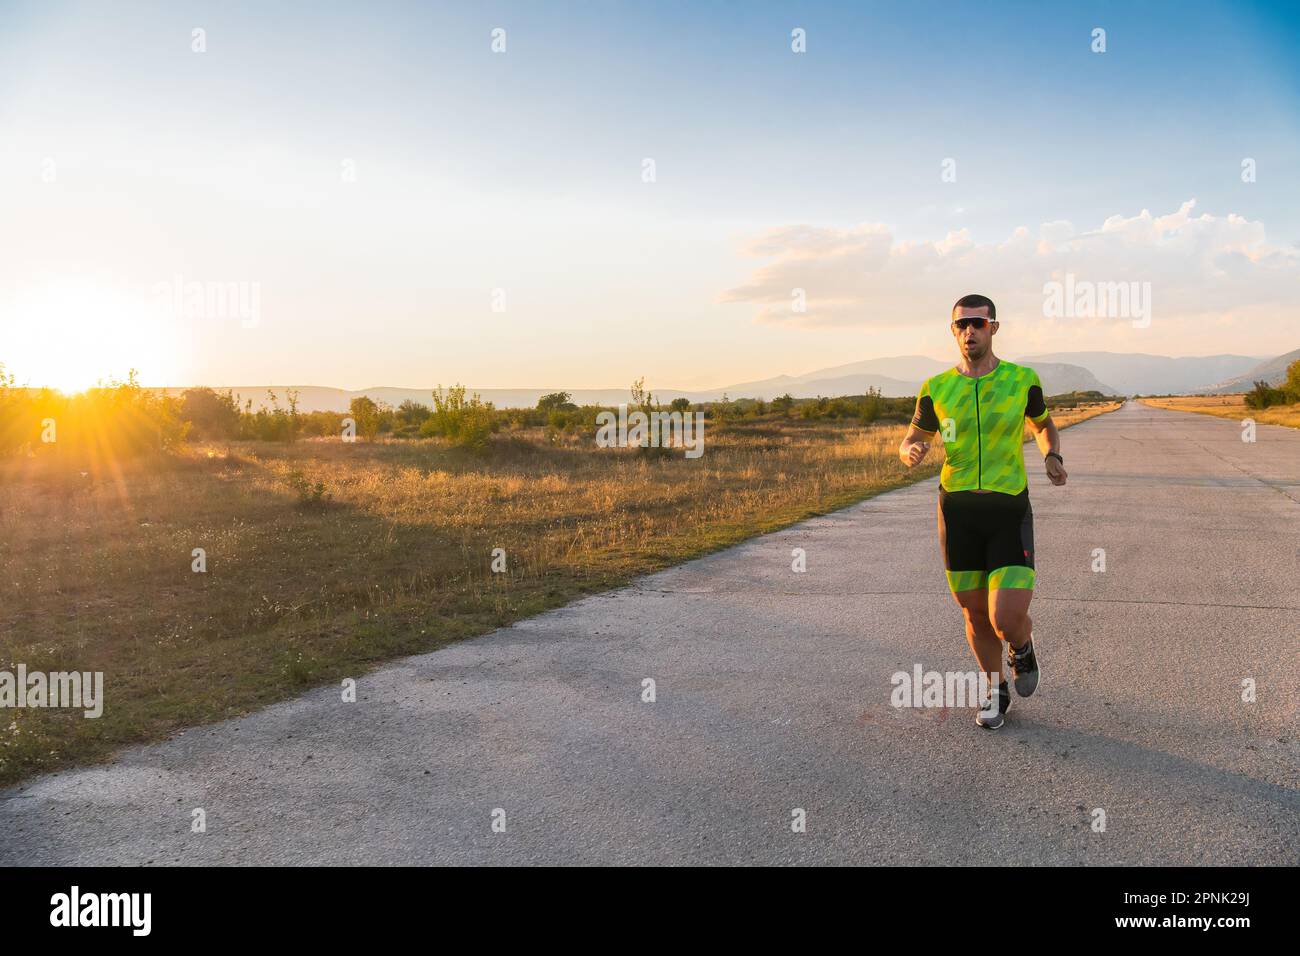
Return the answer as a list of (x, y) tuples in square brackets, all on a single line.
[(1202, 269)]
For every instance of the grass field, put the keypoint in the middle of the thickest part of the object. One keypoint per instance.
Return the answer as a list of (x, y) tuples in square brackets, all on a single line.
[(325, 558), (1229, 406)]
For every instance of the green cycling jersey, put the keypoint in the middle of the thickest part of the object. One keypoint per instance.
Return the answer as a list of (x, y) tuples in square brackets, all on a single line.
[(982, 422)]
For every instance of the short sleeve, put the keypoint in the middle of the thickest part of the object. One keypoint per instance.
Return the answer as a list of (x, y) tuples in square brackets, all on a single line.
[(924, 418), (1035, 405)]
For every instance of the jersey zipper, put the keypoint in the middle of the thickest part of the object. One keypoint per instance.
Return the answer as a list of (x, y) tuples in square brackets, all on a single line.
[(979, 441)]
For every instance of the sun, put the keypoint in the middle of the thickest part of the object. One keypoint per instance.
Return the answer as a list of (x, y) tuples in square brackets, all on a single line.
[(69, 373), (73, 334)]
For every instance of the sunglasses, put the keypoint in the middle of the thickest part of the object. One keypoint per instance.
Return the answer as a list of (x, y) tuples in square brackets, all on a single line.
[(970, 322)]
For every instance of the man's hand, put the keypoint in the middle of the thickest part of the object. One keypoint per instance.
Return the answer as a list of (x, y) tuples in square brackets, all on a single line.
[(913, 453), (1055, 471)]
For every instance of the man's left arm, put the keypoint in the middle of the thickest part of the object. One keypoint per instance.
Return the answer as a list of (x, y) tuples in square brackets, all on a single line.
[(1048, 438), (1046, 434)]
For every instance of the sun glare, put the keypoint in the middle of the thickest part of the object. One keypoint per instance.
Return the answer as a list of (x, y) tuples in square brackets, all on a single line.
[(71, 336)]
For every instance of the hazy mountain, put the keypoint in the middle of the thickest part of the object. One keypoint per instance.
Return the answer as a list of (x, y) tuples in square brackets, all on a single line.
[(892, 375), (311, 398), (836, 386), (853, 379), (1055, 376), (1273, 371), (1110, 373), (1133, 373), (907, 368), (1061, 377), (898, 376)]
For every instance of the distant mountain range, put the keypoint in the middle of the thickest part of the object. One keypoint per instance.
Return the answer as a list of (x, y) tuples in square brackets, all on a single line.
[(1111, 373), (899, 375), (1273, 371), (1136, 373)]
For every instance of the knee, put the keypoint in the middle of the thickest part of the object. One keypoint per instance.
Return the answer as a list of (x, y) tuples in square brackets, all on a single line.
[(978, 620), (1007, 622)]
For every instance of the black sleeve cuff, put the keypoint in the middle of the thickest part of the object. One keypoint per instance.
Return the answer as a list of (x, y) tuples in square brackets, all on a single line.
[(1034, 404), (925, 418)]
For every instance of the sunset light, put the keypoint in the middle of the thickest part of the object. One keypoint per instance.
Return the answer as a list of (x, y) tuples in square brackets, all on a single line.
[(672, 435), (72, 334)]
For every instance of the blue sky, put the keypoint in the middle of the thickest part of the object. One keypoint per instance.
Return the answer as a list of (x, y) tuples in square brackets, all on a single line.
[(522, 172)]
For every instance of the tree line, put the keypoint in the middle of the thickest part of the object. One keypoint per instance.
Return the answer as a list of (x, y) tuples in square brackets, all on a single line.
[(124, 419)]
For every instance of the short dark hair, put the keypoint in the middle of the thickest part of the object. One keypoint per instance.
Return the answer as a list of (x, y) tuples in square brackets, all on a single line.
[(976, 301)]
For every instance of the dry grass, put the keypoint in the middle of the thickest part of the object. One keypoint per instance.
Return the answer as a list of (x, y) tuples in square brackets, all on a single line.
[(1229, 406), (394, 558), (1065, 417)]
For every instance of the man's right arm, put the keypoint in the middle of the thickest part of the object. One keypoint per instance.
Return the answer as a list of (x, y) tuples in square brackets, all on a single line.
[(924, 424)]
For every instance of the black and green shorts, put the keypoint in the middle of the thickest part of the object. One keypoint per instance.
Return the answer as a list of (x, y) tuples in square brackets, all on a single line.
[(987, 539)]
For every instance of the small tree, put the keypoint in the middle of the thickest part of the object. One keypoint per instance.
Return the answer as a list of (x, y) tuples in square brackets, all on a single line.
[(213, 414), (872, 405), (294, 423), (556, 402), (366, 414), (413, 413), (641, 397), (1292, 384), (645, 402), (464, 422), (1263, 395), (725, 409)]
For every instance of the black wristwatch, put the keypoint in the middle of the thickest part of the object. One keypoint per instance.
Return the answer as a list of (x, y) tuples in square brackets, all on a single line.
[(1052, 454)]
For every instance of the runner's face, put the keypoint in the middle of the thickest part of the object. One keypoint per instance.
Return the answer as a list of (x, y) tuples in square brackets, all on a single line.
[(974, 343)]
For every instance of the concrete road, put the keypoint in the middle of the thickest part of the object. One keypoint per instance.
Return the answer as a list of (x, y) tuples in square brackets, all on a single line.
[(773, 694)]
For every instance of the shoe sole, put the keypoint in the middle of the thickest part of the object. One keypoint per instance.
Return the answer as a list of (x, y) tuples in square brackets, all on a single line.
[(990, 725)]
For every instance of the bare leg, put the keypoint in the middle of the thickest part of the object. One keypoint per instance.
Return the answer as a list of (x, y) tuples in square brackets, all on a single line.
[(1009, 613), (980, 633)]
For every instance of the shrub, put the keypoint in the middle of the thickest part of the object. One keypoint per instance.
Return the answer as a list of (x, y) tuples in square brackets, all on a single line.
[(311, 494), (467, 423), (274, 423), (321, 424), (368, 416), (413, 414), (213, 415), (872, 407), (113, 422), (117, 421), (1264, 395), (556, 401)]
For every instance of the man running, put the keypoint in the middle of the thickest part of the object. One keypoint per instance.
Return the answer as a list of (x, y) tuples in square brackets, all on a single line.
[(986, 527)]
